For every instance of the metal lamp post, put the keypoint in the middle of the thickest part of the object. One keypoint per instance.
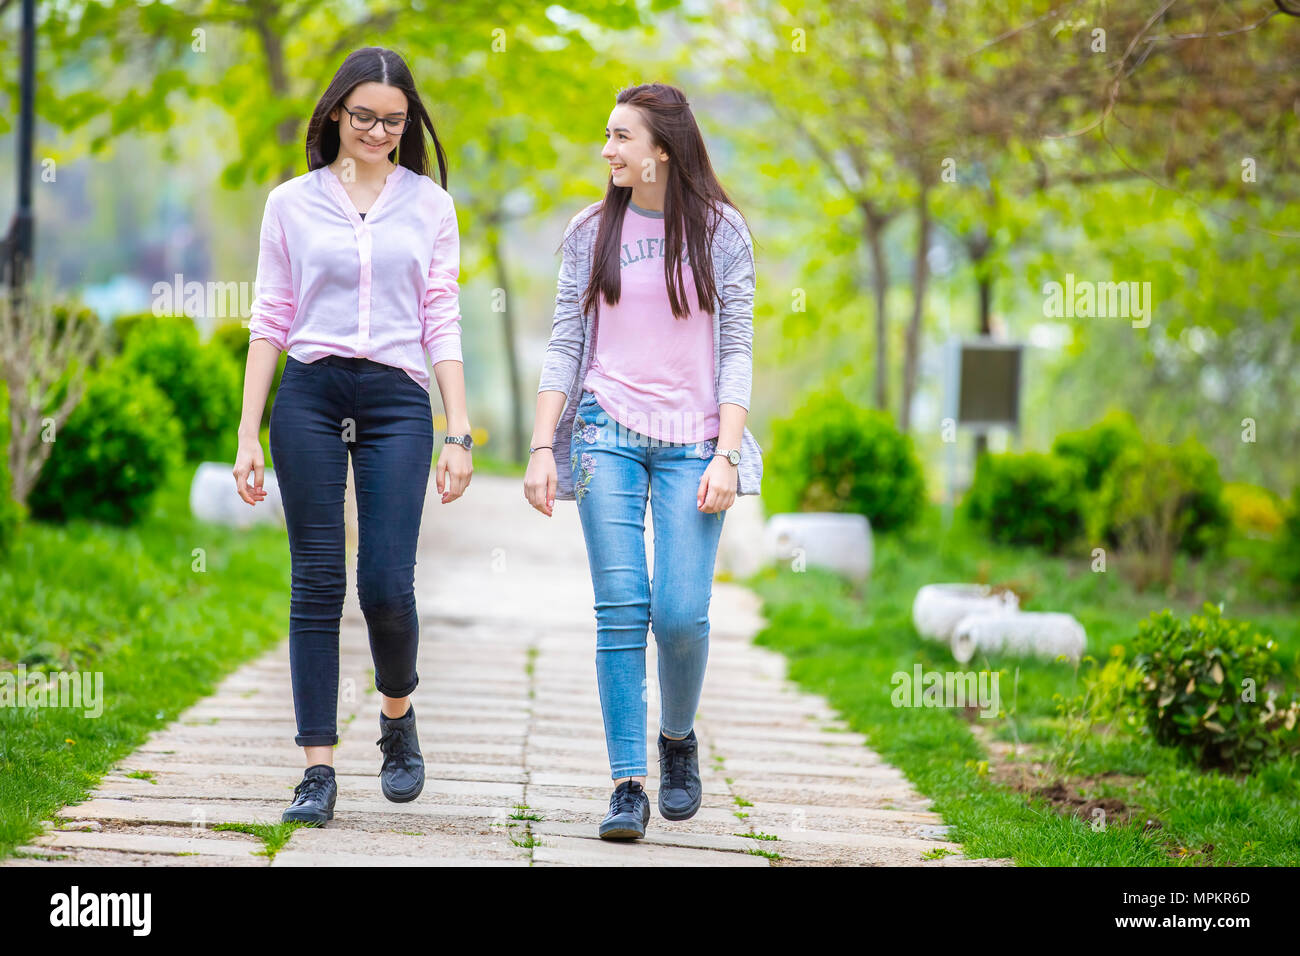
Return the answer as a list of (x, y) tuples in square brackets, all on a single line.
[(18, 242)]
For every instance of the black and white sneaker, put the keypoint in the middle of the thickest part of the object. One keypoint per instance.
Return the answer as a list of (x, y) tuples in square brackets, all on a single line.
[(680, 790), (401, 776), (313, 799), (629, 812)]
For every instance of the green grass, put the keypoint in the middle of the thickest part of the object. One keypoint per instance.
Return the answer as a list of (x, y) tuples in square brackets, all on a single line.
[(125, 602), (274, 836), (846, 643), (485, 464)]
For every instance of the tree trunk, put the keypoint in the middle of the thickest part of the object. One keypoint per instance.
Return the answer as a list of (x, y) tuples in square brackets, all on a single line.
[(873, 228), (920, 279), (508, 328), (273, 48), (978, 247)]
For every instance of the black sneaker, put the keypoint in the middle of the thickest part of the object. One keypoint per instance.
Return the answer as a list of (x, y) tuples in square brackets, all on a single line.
[(629, 812), (680, 790), (313, 799), (402, 775)]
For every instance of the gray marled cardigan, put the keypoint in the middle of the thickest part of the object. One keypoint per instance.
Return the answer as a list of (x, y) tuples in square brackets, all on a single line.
[(569, 352)]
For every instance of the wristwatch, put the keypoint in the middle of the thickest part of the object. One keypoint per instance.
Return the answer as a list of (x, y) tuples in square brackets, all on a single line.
[(466, 440), (731, 454)]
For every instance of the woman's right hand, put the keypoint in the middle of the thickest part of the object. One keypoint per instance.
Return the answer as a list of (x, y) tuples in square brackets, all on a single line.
[(539, 481), (249, 458)]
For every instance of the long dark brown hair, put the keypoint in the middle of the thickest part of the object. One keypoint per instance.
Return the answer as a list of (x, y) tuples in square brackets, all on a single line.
[(379, 65), (691, 204)]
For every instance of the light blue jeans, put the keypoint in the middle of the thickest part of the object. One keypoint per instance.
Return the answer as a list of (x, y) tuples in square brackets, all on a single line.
[(613, 470)]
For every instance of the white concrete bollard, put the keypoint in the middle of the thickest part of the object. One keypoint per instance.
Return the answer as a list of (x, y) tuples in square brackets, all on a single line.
[(740, 546), (938, 607), (839, 542), (213, 497), (1042, 634)]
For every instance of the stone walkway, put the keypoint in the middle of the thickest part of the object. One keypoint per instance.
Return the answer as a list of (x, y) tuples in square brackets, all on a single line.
[(510, 725)]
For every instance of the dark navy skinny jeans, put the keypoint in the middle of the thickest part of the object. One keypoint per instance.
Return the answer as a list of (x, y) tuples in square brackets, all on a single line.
[(323, 411)]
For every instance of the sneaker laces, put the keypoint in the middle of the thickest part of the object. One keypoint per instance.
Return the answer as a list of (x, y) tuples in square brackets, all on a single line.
[(398, 745), (310, 783), (624, 799), (676, 770)]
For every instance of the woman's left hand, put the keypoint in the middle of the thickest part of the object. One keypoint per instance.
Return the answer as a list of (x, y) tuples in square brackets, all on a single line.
[(717, 491), (455, 466)]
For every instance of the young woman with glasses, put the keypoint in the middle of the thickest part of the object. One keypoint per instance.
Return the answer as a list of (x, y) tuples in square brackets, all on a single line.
[(644, 394), (357, 281)]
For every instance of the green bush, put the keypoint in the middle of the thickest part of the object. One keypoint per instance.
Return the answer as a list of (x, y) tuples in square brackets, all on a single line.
[(838, 456), (203, 383), (12, 513), (123, 327), (1030, 498), (1287, 549), (232, 338), (1253, 510), (1158, 499), (1096, 447), (1203, 690), (111, 455)]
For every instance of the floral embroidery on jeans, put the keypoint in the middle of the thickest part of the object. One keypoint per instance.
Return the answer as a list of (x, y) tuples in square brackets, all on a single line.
[(706, 448), (588, 469)]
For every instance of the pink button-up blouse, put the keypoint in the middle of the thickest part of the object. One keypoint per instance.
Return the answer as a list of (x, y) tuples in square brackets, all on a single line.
[(382, 288)]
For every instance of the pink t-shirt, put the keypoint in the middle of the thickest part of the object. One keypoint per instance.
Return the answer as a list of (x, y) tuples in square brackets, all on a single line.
[(651, 371)]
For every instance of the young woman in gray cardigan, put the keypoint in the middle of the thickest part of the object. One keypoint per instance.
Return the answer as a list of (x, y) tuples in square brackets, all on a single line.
[(643, 396)]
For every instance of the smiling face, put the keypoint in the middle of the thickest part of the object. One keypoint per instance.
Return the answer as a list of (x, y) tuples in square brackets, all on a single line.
[(367, 101), (629, 149)]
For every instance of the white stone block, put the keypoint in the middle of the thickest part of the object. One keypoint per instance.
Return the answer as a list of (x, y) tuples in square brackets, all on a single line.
[(938, 607), (213, 497), (1042, 634), (839, 542)]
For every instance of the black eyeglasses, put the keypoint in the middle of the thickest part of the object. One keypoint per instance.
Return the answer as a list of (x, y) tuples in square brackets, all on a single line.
[(365, 120)]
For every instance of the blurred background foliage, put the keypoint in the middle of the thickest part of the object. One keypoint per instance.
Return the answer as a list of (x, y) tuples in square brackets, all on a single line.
[(910, 172)]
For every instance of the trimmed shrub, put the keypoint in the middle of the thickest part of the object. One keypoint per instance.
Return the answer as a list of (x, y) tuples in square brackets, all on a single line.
[(12, 513), (1203, 690), (203, 383), (1287, 548), (1030, 498), (1160, 499), (232, 338), (111, 454), (1097, 447), (1254, 511), (123, 327), (838, 456)]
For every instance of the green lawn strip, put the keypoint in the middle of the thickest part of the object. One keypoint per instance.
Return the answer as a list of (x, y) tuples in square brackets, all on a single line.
[(127, 602), (847, 644)]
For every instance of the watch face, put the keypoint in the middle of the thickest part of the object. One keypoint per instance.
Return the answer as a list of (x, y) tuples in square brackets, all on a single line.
[(733, 456), (469, 442)]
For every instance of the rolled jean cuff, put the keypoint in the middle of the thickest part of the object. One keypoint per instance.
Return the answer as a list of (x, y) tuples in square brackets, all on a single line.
[(675, 736), (396, 692), (632, 772), (316, 740)]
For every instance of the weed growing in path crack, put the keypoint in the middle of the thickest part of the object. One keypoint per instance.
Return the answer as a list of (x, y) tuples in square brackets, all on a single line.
[(143, 775), (529, 839), (273, 835)]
